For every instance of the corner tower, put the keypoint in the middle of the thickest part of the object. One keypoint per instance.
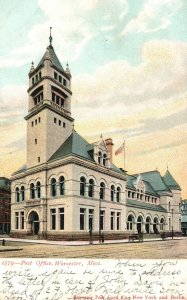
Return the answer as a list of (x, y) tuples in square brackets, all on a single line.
[(49, 121)]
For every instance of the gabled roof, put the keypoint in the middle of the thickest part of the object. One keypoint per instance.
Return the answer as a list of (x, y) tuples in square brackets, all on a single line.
[(170, 181), (54, 59), (155, 180), (131, 180), (74, 144)]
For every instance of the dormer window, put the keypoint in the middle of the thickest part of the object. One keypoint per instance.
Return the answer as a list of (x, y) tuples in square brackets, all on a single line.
[(99, 157), (104, 159)]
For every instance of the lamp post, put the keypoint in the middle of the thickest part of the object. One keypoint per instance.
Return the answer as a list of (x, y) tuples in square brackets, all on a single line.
[(172, 223), (100, 217)]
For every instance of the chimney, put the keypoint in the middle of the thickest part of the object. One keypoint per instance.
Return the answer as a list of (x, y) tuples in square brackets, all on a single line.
[(109, 145)]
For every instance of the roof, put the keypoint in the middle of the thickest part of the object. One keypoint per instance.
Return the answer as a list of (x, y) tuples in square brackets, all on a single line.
[(145, 205), (54, 59), (148, 187), (155, 180), (170, 181), (75, 144)]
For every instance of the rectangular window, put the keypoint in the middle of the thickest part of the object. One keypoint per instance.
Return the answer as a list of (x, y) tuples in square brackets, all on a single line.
[(53, 97), (17, 220), (82, 218), (102, 219), (64, 124), (33, 80), (61, 218), (22, 219), (39, 120), (57, 100), (64, 82), (32, 123), (118, 220), (55, 120), (90, 219), (60, 79), (36, 122), (36, 77), (38, 159), (53, 219), (112, 220), (35, 141), (55, 75), (59, 122)]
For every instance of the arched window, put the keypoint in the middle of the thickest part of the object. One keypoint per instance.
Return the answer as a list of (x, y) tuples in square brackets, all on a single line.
[(99, 157), (102, 191), (61, 183), (53, 187), (162, 224), (104, 159), (155, 225), (112, 192), (22, 193), (91, 188), (82, 186), (118, 194), (38, 189), (130, 222), (17, 194), (32, 192), (139, 224)]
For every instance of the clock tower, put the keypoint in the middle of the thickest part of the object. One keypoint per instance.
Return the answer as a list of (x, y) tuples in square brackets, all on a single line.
[(49, 121)]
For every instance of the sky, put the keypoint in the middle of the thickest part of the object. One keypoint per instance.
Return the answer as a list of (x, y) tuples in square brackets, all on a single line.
[(128, 61)]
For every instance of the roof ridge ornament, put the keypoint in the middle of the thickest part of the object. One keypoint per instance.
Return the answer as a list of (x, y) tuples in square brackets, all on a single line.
[(50, 38)]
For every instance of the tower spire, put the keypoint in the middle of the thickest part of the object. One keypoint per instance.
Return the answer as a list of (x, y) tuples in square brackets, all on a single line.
[(50, 38)]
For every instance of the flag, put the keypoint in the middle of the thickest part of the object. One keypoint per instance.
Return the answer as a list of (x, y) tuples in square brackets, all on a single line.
[(120, 149)]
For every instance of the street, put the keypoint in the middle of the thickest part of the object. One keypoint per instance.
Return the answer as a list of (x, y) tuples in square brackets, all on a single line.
[(168, 249)]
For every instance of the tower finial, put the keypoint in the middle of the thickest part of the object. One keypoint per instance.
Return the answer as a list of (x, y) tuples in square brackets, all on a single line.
[(50, 38)]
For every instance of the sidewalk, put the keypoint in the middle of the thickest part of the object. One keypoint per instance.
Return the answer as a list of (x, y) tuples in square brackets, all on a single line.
[(80, 243)]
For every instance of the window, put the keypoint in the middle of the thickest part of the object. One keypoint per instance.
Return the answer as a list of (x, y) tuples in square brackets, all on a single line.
[(118, 193), (61, 218), (82, 218), (40, 75), (36, 77), (33, 80), (82, 186), (104, 159), (17, 194), (130, 222), (64, 124), (35, 141), (64, 82), (162, 224), (112, 192), (112, 220), (59, 122), (38, 189), (61, 182), (129, 194), (118, 220), (91, 188), (99, 157), (22, 193), (36, 122), (90, 219), (55, 75), (17, 220), (32, 192), (102, 191), (22, 219), (38, 159), (32, 123), (169, 206), (60, 79), (39, 120), (53, 219), (53, 187), (102, 219), (57, 100), (55, 120)]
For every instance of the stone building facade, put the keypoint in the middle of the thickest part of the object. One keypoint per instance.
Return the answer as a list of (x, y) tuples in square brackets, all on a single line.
[(5, 204), (70, 188)]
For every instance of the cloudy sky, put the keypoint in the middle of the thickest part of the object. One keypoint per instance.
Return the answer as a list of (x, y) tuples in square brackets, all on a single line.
[(128, 61)]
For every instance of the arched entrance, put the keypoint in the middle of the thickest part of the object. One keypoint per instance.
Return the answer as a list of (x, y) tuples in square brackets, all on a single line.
[(139, 224), (147, 225), (34, 221), (155, 225)]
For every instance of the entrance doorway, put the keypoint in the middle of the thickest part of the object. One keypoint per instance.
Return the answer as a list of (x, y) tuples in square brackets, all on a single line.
[(155, 226), (139, 224), (35, 223), (147, 225)]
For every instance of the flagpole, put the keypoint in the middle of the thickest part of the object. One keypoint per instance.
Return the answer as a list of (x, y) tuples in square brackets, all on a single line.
[(124, 154)]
